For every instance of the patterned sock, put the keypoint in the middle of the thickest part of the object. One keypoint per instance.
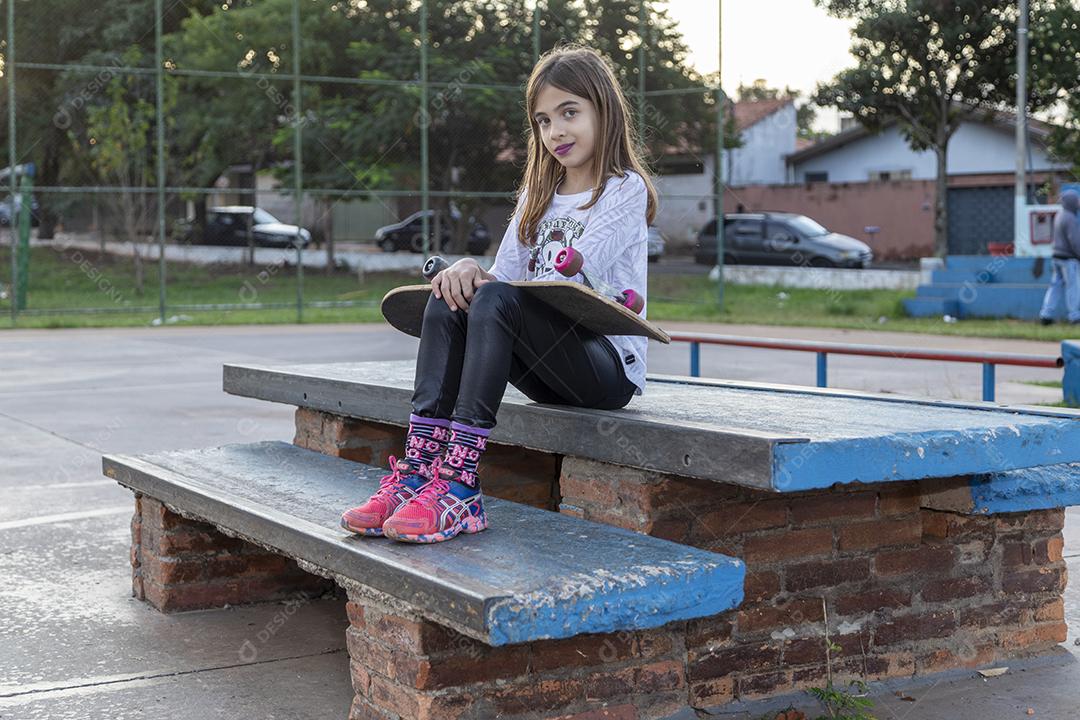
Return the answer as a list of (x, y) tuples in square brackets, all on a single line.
[(426, 441), (467, 444)]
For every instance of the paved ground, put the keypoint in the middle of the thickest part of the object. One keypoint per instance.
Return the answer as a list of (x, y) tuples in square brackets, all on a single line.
[(75, 645)]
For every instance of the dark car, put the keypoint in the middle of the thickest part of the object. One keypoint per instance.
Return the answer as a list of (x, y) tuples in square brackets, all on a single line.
[(408, 234), (228, 225), (780, 239), (5, 211)]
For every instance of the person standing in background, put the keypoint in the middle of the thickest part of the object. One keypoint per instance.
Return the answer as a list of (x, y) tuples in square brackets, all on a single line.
[(1065, 279)]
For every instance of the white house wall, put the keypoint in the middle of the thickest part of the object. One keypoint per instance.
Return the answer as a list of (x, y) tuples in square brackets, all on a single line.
[(766, 144), (975, 148)]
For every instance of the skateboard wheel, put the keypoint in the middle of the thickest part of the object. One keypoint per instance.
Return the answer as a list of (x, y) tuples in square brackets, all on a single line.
[(568, 261), (633, 302), (433, 265)]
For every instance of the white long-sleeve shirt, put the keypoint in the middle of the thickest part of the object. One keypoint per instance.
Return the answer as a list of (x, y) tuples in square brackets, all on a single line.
[(613, 237)]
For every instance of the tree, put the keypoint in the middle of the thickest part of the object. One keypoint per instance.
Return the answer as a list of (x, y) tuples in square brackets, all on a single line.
[(120, 137), (1055, 70), (926, 65)]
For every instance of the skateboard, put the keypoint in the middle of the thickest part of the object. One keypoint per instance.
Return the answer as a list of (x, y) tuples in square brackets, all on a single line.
[(603, 310)]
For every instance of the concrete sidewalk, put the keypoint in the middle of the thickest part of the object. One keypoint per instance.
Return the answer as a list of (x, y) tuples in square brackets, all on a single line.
[(76, 645)]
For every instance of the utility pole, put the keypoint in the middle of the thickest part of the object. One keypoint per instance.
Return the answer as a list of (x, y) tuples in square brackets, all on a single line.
[(1021, 199)]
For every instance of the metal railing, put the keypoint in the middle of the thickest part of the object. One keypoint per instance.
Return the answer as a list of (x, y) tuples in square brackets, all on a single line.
[(988, 360)]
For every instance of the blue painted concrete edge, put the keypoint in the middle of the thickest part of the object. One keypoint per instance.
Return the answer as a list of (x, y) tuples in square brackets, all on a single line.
[(1070, 383), (652, 596), (1042, 488), (914, 456)]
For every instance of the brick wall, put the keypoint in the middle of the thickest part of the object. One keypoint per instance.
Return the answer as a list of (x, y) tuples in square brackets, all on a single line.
[(906, 590), (181, 564), (511, 473)]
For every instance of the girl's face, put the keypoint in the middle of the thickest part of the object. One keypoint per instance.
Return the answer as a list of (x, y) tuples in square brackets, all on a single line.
[(567, 125)]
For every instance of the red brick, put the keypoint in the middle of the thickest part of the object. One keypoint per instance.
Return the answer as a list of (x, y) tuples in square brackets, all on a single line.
[(420, 637), (355, 613), (900, 500), (1034, 638), (949, 589), (832, 507), (1053, 610), (388, 695), (915, 627), (925, 559), (1054, 549), (769, 617), (761, 684), (1050, 521), (935, 525), (647, 679), (788, 545), (709, 631), (361, 678), (740, 659), (831, 572), (502, 663), (535, 698), (1016, 553), (581, 651), (941, 659), (362, 709), (879, 533), (741, 517), (1034, 581), (760, 586), (873, 600), (716, 691), (619, 712), (995, 614), (446, 706)]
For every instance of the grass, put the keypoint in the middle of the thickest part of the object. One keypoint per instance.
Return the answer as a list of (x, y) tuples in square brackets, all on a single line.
[(68, 279)]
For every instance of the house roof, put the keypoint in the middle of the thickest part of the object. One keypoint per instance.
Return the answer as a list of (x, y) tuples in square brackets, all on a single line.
[(750, 112), (1037, 128)]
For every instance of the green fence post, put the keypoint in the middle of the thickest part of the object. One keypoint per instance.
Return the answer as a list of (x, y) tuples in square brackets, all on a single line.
[(26, 193), (159, 89), (9, 72), (298, 159)]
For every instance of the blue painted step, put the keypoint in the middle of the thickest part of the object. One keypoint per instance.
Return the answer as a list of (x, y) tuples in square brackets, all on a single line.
[(945, 292), (533, 575), (1005, 300), (930, 307), (942, 277)]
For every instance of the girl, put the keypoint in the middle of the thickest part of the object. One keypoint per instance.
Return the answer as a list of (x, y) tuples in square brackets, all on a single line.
[(584, 187)]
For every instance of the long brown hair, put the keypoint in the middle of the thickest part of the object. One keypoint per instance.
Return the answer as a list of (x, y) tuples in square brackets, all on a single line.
[(582, 72)]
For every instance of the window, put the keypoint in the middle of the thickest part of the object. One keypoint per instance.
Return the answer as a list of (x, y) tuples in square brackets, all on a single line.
[(889, 175), (817, 177), (681, 167)]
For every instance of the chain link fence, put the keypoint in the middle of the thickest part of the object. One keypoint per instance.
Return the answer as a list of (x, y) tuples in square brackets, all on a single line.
[(264, 160)]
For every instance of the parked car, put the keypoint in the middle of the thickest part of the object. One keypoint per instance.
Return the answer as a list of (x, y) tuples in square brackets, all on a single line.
[(228, 225), (656, 244), (5, 211), (773, 238), (408, 234)]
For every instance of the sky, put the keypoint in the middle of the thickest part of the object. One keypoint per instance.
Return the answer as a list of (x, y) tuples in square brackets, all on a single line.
[(786, 42)]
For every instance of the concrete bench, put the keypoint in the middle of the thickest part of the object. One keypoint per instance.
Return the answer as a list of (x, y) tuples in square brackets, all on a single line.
[(535, 575), (921, 528)]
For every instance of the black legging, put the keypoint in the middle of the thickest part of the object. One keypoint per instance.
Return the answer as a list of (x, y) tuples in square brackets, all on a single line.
[(466, 358)]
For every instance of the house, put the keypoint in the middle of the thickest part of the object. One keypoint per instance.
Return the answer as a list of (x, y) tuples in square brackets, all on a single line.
[(684, 180), (983, 146), (981, 163)]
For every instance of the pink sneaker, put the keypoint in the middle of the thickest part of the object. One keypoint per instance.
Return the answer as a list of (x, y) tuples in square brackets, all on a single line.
[(441, 510), (401, 485)]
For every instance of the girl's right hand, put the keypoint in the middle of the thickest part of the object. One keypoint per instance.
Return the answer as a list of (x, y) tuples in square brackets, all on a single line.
[(457, 283)]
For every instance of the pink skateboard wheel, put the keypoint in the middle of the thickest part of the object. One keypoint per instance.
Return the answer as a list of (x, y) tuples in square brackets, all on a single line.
[(633, 302), (568, 262)]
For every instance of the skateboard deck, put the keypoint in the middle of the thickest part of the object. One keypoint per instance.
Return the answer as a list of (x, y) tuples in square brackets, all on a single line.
[(403, 307)]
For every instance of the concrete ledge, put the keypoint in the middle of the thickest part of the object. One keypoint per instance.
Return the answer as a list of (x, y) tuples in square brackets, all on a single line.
[(773, 437), (1042, 488), (533, 575)]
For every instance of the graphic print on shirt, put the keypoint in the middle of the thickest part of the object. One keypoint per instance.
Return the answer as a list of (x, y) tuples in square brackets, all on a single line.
[(554, 234)]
